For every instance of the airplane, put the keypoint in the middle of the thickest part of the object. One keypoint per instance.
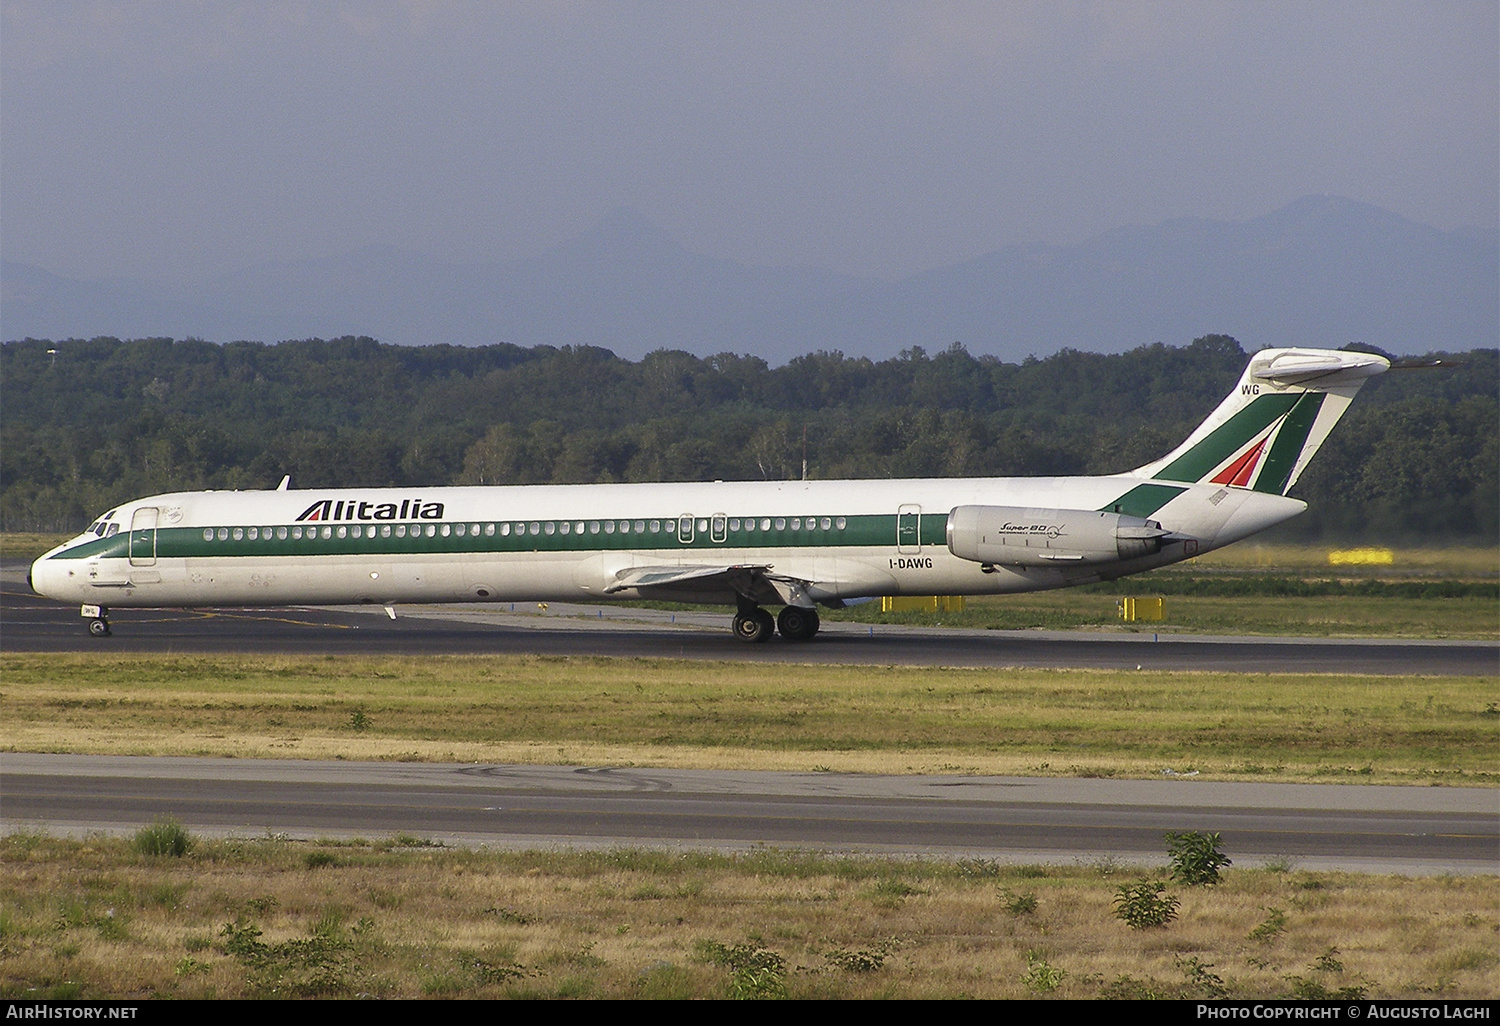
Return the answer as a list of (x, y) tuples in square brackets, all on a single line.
[(794, 544)]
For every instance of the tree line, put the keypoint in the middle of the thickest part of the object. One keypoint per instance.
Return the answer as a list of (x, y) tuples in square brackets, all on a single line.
[(91, 423)]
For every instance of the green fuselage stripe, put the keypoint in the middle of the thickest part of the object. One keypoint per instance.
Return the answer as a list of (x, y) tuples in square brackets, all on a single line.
[(1143, 500), (877, 530)]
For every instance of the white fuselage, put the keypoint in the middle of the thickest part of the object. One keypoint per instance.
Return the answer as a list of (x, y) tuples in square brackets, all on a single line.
[(844, 540)]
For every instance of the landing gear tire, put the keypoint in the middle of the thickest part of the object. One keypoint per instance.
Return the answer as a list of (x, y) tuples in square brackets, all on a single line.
[(754, 626), (99, 627), (797, 624)]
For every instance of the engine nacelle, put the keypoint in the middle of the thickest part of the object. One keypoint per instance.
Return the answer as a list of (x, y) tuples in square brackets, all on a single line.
[(1017, 536)]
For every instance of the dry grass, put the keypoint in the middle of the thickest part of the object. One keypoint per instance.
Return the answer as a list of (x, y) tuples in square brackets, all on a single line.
[(92, 919), (657, 712)]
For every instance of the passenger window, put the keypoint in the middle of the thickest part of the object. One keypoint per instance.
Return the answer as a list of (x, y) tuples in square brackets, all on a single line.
[(253, 534), (536, 527), (565, 527), (385, 530), (765, 525), (550, 527), (327, 533), (640, 527), (223, 534), (431, 531), (447, 530), (208, 534), (840, 523), (489, 530), (296, 534), (781, 523), (656, 527), (505, 530), (796, 523), (343, 531), (624, 526)]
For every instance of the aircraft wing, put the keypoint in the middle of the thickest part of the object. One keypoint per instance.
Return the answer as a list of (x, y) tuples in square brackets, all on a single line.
[(755, 583)]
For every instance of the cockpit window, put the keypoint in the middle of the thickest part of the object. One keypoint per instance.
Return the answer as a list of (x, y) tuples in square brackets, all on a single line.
[(114, 529)]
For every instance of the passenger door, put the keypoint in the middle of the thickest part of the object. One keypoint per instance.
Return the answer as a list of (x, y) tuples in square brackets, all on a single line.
[(143, 537), (909, 529)]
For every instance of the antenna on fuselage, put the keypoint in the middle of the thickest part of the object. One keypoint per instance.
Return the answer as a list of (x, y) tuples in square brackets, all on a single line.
[(285, 483)]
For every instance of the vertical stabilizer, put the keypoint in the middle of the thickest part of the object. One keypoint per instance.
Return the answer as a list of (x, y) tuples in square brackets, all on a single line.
[(1265, 432)]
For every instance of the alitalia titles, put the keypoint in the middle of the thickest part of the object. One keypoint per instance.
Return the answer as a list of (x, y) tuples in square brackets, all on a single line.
[(350, 509)]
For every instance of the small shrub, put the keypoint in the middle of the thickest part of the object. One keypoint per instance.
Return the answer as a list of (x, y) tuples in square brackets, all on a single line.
[(861, 961), (319, 859), (1313, 990), (1208, 984), (1145, 905), (1196, 858), (1273, 926), (163, 837), (190, 966), (1020, 904), (755, 973), (1041, 977), (1327, 962), (1128, 988)]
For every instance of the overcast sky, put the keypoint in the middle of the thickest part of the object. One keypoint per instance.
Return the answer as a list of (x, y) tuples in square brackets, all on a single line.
[(171, 140)]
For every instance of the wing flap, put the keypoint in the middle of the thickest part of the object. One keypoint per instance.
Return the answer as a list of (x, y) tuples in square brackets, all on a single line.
[(754, 583)]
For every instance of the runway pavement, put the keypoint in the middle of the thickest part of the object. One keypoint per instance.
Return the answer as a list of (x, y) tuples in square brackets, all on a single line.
[(29, 623), (1371, 828)]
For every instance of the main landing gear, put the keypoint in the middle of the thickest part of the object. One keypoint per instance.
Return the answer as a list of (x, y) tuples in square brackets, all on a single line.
[(754, 625)]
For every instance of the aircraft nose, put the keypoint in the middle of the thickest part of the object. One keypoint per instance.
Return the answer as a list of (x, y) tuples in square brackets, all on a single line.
[(44, 577)]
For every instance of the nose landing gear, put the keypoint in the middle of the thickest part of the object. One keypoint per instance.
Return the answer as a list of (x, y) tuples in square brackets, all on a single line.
[(98, 618)]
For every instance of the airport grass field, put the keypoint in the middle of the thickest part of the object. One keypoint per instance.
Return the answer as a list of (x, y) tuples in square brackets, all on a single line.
[(660, 712)]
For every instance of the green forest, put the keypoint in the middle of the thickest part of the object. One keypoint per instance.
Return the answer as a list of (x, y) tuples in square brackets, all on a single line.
[(90, 423)]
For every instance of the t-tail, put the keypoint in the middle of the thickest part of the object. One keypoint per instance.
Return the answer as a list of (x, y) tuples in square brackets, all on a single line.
[(1264, 433)]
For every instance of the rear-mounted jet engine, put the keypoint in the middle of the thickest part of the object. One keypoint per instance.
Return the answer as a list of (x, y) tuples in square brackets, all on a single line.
[(1016, 536)]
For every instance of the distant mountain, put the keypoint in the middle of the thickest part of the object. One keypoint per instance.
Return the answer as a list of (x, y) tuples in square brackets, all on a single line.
[(1323, 270)]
